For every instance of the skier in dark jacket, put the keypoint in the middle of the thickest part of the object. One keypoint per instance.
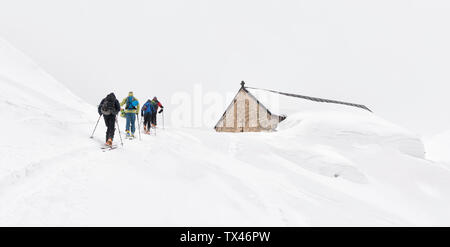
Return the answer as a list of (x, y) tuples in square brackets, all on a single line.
[(109, 107), (146, 113), (155, 103)]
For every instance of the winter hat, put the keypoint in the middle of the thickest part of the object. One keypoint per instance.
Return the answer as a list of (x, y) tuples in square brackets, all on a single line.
[(111, 96), (130, 93)]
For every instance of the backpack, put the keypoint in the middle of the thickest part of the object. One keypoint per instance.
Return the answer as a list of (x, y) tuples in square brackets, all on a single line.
[(154, 105), (108, 107), (147, 108), (131, 103)]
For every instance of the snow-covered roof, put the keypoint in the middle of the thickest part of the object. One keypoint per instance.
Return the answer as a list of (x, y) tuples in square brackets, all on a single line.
[(438, 146)]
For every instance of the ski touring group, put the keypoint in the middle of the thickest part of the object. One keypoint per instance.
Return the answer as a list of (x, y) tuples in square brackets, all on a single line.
[(110, 108)]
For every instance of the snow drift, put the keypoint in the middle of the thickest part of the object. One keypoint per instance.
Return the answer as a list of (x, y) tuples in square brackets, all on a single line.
[(438, 147), (322, 168)]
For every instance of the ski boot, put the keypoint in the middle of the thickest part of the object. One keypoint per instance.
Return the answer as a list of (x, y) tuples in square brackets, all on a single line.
[(109, 142), (128, 133)]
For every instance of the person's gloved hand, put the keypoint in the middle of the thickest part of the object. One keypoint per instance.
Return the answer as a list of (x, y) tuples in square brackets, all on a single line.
[(160, 111)]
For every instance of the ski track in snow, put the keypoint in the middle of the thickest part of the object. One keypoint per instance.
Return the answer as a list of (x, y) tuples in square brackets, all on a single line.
[(39, 181), (85, 186)]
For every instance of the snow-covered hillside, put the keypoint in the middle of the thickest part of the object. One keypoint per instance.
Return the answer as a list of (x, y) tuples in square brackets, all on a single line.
[(322, 168), (39, 115)]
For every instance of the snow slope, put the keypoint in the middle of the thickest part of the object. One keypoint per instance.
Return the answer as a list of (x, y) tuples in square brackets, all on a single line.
[(39, 115), (322, 168)]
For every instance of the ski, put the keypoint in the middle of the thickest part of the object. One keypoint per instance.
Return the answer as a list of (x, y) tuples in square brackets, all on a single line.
[(107, 148)]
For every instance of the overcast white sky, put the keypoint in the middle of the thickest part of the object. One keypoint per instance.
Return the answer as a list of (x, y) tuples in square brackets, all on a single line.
[(392, 55)]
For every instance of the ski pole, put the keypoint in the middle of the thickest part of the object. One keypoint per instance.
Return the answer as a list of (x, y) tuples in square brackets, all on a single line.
[(139, 127), (92, 136), (120, 135)]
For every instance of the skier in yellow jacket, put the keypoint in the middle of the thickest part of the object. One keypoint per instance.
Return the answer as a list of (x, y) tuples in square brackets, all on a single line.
[(131, 111)]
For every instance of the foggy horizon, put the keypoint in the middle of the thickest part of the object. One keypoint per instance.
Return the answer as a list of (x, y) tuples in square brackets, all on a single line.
[(390, 55)]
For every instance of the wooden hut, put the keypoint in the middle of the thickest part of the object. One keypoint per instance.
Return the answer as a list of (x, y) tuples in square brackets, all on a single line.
[(247, 114)]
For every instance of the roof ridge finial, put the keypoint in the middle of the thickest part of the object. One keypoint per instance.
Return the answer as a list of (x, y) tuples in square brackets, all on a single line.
[(242, 84)]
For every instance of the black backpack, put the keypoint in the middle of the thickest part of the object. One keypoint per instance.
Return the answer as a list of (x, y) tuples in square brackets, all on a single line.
[(108, 107)]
